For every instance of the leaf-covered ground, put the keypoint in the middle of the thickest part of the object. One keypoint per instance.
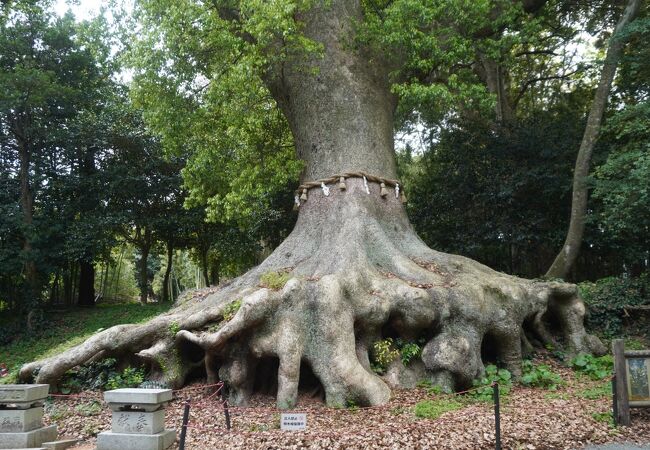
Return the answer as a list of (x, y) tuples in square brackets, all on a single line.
[(575, 415)]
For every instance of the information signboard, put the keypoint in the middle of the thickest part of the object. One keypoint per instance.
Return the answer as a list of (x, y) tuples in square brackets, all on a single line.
[(638, 379), (293, 421)]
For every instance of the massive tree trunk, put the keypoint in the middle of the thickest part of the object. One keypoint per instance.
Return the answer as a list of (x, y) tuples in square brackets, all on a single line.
[(352, 272), (571, 247)]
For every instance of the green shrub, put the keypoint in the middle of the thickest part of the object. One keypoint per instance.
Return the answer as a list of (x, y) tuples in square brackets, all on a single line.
[(384, 352), (606, 298), (539, 376), (594, 367), (274, 280), (483, 390), (130, 377), (91, 376), (432, 409), (351, 405), (409, 351), (91, 408), (174, 328)]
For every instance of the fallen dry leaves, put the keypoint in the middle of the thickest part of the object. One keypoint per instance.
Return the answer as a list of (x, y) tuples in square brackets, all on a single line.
[(531, 419)]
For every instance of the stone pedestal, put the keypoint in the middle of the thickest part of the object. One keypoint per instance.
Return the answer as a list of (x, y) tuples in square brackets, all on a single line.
[(21, 416), (138, 421)]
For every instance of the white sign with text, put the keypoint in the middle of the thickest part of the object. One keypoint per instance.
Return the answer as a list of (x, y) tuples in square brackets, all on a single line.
[(293, 421)]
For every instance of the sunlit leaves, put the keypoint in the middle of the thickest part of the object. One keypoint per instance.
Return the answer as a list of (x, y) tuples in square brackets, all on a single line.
[(199, 76)]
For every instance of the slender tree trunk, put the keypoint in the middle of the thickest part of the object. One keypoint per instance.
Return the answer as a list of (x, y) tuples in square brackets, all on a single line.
[(104, 289), (571, 247), (54, 288), (27, 206), (73, 283), (87, 203), (496, 79), (204, 266), (168, 270), (118, 273), (214, 272), (143, 276), (86, 284)]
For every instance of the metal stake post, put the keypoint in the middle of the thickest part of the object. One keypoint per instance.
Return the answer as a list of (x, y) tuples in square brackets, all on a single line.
[(497, 418), (226, 413), (186, 419), (614, 402)]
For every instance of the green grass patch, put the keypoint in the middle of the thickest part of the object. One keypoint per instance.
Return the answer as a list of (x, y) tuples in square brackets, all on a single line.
[(604, 417), (69, 328), (602, 391), (274, 280), (432, 409)]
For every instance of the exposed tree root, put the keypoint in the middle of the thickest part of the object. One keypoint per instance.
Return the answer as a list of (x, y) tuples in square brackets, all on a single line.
[(353, 280)]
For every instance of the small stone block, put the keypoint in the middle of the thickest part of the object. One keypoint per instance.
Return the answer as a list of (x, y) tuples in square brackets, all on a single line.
[(20, 420), (133, 396), (28, 439), (15, 393), (138, 422), (60, 444), (120, 441)]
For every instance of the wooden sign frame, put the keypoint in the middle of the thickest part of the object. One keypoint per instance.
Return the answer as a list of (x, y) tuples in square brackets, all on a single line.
[(631, 383)]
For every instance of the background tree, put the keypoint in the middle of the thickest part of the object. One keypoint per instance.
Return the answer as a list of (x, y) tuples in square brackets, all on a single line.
[(51, 74), (567, 256)]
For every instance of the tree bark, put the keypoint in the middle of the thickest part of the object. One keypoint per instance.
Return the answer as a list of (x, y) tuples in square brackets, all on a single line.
[(341, 118), (86, 284), (571, 247)]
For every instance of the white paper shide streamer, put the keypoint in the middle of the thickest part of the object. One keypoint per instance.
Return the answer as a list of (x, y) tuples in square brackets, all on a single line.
[(396, 190), (365, 184), (326, 190)]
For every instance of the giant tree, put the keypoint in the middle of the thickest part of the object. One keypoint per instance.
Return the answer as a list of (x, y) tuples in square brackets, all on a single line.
[(352, 270)]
